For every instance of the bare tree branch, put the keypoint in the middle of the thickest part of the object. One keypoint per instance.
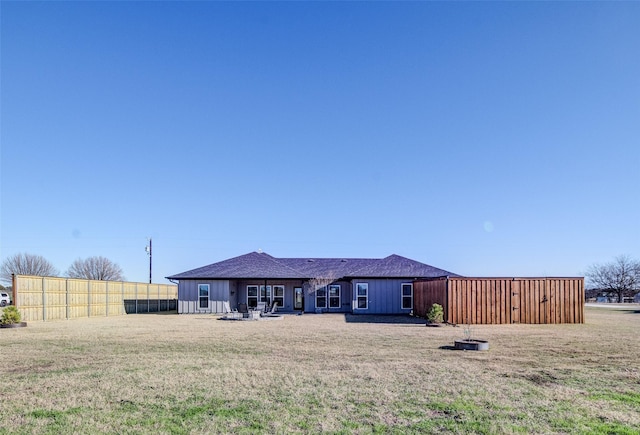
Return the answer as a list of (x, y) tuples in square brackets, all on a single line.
[(621, 277), (319, 282), (26, 264), (98, 268)]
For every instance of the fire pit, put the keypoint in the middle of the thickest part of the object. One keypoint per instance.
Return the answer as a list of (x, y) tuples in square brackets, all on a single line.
[(471, 344)]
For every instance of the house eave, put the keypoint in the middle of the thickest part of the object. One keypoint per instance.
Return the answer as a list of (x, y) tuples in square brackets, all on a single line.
[(235, 278), (408, 278)]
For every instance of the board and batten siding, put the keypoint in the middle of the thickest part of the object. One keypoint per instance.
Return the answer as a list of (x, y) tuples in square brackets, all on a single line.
[(345, 299), (503, 300), (385, 296), (188, 297)]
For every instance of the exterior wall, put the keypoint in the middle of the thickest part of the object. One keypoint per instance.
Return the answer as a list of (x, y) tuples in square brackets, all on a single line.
[(345, 300), (385, 296), (503, 300), (233, 294), (219, 293)]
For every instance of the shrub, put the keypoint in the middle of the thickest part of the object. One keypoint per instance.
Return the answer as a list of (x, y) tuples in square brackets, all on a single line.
[(10, 315), (435, 314)]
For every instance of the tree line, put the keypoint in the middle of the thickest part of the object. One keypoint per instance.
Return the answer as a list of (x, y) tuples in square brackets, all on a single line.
[(619, 278), (95, 268)]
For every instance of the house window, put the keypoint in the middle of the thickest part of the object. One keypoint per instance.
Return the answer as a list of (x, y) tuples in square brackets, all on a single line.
[(265, 294), (362, 295), (407, 296), (278, 295), (321, 298), (203, 295), (334, 296), (252, 296)]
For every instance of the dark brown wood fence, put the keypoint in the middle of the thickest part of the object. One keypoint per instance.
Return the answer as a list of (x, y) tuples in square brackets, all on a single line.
[(503, 300)]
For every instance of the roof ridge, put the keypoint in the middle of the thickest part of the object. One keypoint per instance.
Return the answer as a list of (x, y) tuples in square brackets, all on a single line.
[(261, 264), (275, 259)]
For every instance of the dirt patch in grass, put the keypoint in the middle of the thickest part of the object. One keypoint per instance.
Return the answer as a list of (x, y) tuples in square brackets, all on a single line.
[(196, 374)]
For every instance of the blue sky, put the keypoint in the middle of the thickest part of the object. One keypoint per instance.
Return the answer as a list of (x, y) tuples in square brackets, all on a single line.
[(488, 139)]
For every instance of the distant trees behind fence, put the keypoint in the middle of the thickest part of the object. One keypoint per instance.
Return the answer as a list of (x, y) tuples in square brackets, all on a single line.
[(26, 264), (98, 268)]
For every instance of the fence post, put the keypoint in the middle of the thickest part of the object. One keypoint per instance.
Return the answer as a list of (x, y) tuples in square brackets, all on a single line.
[(44, 299), (66, 290), (88, 298), (106, 308), (136, 298), (14, 289), (122, 312)]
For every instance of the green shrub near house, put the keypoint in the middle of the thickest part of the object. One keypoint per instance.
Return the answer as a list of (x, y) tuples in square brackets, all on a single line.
[(435, 314)]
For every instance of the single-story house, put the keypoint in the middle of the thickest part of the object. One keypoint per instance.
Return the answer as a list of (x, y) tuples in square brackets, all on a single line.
[(341, 285)]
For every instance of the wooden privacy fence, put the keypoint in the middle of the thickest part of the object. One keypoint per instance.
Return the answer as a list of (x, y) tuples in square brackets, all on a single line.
[(49, 298), (502, 300)]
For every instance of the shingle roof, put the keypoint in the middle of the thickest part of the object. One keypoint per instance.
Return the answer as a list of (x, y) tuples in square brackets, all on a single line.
[(262, 265), (327, 267), (396, 266), (252, 265)]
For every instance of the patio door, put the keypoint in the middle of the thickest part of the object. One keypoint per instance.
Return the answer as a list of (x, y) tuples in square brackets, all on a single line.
[(298, 298)]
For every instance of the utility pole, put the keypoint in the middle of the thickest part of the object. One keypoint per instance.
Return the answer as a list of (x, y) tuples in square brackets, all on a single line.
[(149, 252)]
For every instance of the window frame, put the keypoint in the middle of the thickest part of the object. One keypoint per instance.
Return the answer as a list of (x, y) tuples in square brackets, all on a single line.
[(321, 294), (255, 298), (266, 295), (338, 297), (275, 297), (324, 296), (364, 297), (202, 298), (403, 297)]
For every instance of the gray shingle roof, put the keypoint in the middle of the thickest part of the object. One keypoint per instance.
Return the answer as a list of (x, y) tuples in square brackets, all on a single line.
[(395, 266), (262, 265), (252, 265)]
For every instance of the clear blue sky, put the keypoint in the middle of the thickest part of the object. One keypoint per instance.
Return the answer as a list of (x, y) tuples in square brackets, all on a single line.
[(491, 138)]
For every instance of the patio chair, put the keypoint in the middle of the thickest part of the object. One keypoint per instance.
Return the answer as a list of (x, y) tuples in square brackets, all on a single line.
[(262, 306), (230, 314), (242, 308)]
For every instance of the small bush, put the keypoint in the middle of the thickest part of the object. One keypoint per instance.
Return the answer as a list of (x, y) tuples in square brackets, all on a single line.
[(435, 314), (10, 315)]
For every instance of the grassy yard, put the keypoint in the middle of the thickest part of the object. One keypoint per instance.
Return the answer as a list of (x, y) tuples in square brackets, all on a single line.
[(319, 373)]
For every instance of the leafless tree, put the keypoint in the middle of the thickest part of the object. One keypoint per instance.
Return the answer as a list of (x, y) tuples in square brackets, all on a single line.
[(98, 268), (319, 282), (621, 277), (26, 264)]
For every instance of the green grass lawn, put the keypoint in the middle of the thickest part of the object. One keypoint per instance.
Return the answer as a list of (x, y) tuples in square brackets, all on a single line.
[(319, 373)]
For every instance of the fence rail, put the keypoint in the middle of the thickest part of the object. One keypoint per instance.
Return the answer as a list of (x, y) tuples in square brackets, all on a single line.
[(50, 298)]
